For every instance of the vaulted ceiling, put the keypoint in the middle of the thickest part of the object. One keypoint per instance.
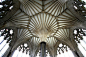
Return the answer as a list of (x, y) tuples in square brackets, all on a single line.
[(50, 21)]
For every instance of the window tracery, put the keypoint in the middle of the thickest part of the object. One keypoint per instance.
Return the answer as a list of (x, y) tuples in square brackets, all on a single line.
[(64, 51), (22, 51), (80, 7), (80, 38), (47, 53), (5, 40), (23, 48), (5, 6)]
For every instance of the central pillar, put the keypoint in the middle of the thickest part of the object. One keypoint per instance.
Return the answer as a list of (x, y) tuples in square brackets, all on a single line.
[(43, 49)]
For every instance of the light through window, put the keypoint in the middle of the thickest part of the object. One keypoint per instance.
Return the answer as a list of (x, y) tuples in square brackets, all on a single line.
[(5, 40), (22, 51), (5, 7), (64, 51), (80, 38)]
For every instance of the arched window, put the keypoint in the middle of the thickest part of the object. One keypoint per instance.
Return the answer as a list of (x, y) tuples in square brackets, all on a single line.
[(38, 54), (64, 51), (47, 54), (22, 51), (80, 6), (80, 38), (5, 6), (5, 40)]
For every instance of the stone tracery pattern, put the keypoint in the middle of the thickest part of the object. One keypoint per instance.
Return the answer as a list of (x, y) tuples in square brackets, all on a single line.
[(6, 7), (7, 35), (47, 21), (80, 7)]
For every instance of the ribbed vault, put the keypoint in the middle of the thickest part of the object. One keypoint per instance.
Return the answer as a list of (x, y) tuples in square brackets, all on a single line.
[(50, 21), (44, 20)]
